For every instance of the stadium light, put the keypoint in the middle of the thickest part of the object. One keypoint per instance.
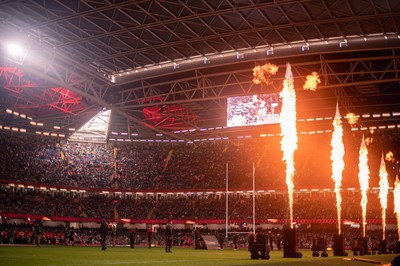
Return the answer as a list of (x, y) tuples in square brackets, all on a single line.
[(239, 55), (343, 43), (14, 49), (15, 52), (305, 47)]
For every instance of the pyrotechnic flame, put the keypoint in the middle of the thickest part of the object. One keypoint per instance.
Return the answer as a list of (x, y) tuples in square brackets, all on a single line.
[(369, 141), (262, 73), (337, 157), (363, 178), (351, 118), (312, 81), (396, 194), (383, 193), (389, 156), (289, 133)]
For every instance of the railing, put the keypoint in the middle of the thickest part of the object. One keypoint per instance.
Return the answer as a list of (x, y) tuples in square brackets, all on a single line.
[(189, 221)]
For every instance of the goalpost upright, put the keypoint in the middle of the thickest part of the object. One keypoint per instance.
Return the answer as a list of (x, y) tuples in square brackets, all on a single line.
[(227, 201), (254, 201)]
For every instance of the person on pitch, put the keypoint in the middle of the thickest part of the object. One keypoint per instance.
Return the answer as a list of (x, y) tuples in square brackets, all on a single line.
[(168, 238), (132, 238), (235, 240), (103, 234), (149, 235)]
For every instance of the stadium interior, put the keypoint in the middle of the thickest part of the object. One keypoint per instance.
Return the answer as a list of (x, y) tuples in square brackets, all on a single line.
[(142, 113)]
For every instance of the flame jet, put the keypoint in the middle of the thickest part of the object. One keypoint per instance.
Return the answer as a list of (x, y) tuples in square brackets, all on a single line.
[(337, 157), (312, 81), (352, 119), (383, 193), (289, 133), (261, 74), (363, 178), (396, 194)]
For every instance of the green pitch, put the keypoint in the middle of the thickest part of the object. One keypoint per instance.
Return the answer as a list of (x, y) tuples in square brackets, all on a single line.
[(82, 256)]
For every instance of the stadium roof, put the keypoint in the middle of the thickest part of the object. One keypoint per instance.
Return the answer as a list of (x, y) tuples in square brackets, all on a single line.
[(165, 68)]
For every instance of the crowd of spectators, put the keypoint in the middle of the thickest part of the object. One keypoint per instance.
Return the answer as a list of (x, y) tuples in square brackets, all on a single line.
[(307, 205), (200, 166), (174, 166)]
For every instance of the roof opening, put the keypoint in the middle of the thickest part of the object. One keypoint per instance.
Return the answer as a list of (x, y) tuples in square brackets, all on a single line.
[(95, 130)]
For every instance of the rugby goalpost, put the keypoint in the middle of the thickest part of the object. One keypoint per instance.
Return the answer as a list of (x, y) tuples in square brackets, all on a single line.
[(227, 232)]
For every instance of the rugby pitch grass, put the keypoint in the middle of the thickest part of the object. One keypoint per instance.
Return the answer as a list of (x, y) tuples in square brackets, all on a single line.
[(82, 256)]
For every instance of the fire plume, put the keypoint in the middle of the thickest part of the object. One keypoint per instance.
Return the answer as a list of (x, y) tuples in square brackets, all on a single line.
[(289, 133), (383, 193), (337, 157), (352, 118), (312, 81), (363, 178), (389, 156), (261, 74), (396, 194)]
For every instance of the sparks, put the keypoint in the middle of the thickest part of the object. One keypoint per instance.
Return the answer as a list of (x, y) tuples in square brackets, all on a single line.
[(383, 193), (289, 133), (312, 81), (262, 73), (389, 156), (337, 157), (351, 118), (363, 178), (396, 194)]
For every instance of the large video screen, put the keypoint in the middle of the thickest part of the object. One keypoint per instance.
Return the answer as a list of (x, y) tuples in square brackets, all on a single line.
[(253, 110)]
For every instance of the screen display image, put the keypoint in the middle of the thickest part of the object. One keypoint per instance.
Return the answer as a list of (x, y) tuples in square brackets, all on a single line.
[(252, 110)]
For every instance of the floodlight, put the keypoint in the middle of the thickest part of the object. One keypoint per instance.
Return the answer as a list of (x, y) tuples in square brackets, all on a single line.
[(15, 49), (15, 52)]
